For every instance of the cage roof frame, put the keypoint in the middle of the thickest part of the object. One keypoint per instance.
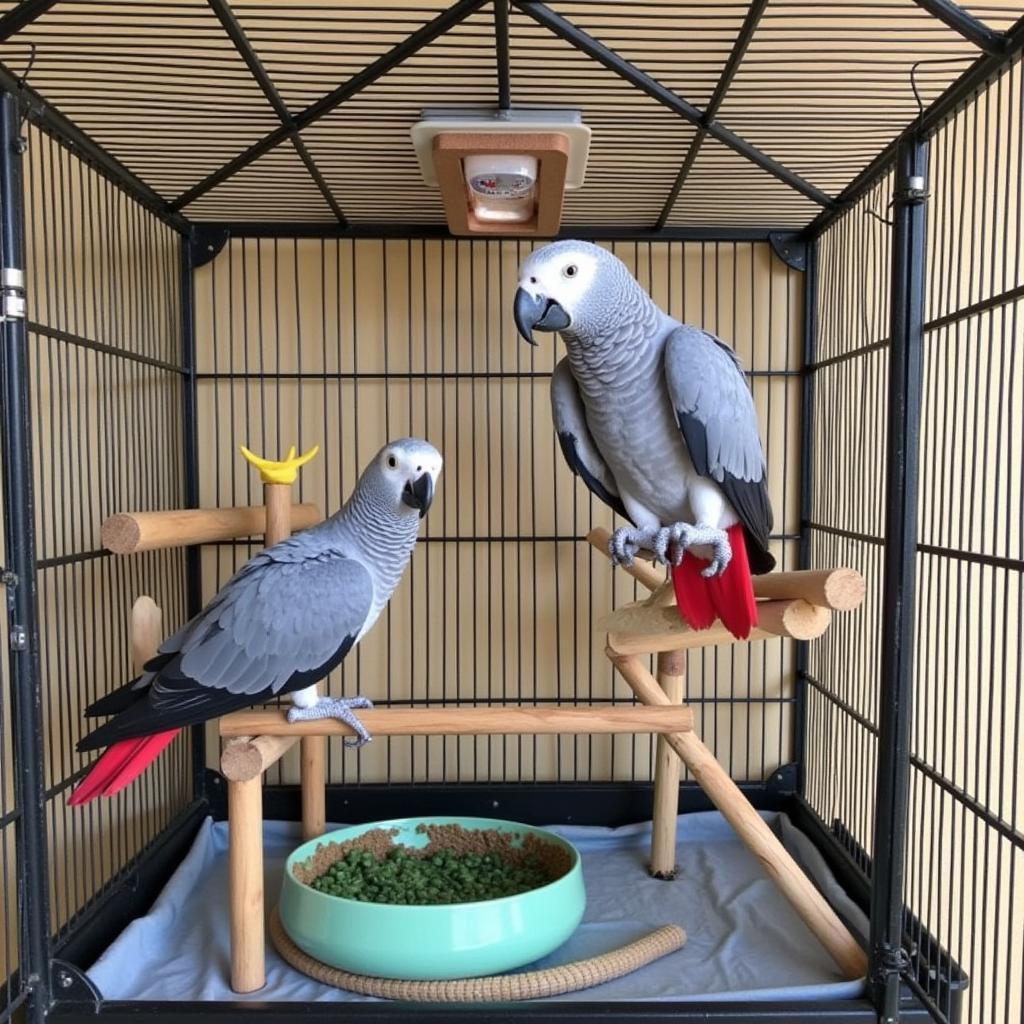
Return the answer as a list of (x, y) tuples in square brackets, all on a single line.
[(992, 50)]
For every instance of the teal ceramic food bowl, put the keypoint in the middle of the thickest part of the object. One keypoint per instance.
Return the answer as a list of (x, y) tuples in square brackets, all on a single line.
[(457, 940)]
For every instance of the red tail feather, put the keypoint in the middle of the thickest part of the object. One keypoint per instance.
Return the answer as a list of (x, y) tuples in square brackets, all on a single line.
[(120, 764), (729, 597)]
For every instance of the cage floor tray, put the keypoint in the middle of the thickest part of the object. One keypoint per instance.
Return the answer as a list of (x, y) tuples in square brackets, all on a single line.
[(744, 941)]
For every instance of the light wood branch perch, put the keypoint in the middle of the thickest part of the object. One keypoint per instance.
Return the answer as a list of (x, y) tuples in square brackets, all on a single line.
[(460, 721), (128, 532)]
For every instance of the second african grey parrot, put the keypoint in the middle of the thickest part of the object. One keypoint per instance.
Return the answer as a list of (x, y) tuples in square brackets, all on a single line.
[(283, 622), (657, 418)]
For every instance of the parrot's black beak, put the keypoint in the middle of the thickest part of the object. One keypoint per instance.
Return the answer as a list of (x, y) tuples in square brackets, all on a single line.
[(538, 312), (419, 493)]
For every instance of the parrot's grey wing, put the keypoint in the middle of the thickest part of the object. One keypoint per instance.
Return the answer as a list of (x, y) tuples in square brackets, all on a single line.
[(275, 629), (124, 697), (715, 411), (576, 441)]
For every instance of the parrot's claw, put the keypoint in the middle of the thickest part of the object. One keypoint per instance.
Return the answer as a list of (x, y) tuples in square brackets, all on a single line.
[(672, 542), (626, 541), (718, 541), (340, 708)]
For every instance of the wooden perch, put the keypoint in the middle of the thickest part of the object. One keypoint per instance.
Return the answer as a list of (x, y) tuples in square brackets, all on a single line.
[(248, 757), (650, 576), (646, 629), (147, 631), (812, 908), (461, 721), (838, 589), (128, 532)]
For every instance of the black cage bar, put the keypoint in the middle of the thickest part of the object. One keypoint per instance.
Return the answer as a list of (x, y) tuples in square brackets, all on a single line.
[(878, 198)]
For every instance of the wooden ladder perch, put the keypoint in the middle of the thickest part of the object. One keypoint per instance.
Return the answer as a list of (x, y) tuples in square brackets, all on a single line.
[(792, 604), (256, 740)]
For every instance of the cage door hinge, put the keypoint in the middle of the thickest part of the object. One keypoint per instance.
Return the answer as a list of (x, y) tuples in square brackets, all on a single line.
[(12, 286), (17, 636)]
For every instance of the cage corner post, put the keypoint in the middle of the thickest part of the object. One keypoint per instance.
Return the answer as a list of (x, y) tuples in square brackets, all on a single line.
[(810, 349), (906, 334), (22, 598), (190, 442)]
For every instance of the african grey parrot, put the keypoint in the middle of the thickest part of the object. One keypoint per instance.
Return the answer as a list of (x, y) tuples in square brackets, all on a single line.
[(278, 626), (657, 418)]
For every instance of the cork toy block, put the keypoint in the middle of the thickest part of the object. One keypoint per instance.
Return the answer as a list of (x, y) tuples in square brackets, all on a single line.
[(793, 604)]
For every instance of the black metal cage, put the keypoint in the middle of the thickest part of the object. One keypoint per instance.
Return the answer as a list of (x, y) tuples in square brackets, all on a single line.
[(192, 215)]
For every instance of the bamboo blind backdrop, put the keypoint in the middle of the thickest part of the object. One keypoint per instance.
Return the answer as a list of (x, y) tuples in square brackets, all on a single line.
[(345, 344), (966, 852)]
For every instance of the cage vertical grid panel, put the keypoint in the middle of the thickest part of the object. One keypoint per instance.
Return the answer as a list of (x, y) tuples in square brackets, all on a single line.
[(12, 992), (964, 830), (854, 98), (345, 343), (105, 367)]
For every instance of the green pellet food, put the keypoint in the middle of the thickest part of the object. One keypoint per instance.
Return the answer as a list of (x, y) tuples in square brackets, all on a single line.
[(456, 866)]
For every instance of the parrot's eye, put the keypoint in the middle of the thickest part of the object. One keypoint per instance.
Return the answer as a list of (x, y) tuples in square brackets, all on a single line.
[(392, 461), (570, 271)]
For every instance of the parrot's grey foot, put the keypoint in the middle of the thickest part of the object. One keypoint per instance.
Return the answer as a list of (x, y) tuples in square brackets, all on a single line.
[(340, 708), (671, 543), (717, 540), (626, 541)]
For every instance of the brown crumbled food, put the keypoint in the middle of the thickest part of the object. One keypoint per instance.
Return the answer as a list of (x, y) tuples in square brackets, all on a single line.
[(379, 841), (555, 859)]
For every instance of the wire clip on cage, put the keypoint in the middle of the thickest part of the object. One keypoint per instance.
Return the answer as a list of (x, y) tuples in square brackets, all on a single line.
[(13, 285), (913, 194), (889, 961)]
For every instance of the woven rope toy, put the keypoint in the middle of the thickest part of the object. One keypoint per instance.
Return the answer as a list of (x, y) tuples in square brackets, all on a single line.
[(552, 981)]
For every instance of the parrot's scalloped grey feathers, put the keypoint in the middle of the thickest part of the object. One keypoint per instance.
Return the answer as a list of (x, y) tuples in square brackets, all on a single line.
[(576, 441), (716, 414)]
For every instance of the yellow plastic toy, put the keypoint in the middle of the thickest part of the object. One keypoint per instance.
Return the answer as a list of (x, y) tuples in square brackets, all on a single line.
[(283, 472)]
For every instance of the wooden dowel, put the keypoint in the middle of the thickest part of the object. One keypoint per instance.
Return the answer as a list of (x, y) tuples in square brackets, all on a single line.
[(147, 631), (838, 589), (642, 629), (671, 679), (462, 721), (650, 576), (248, 757), (796, 619), (314, 786), (245, 884), (807, 902), (278, 525), (663, 597), (128, 532)]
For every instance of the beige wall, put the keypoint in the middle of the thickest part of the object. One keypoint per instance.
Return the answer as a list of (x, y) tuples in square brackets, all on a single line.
[(509, 615)]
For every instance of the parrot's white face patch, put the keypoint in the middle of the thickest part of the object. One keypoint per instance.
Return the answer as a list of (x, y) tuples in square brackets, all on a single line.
[(564, 276), (408, 459)]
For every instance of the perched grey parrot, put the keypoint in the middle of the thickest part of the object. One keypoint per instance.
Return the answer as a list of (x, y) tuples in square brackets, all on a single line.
[(278, 626), (657, 418)]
